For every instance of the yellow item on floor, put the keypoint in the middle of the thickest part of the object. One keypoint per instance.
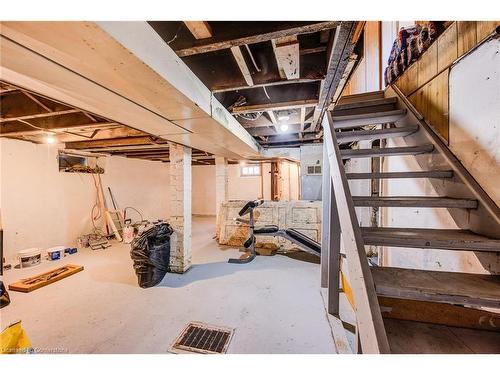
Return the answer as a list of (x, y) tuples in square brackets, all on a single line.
[(14, 340)]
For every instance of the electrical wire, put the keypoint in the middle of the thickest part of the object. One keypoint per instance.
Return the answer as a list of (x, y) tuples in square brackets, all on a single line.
[(265, 92), (134, 209), (251, 58), (36, 127)]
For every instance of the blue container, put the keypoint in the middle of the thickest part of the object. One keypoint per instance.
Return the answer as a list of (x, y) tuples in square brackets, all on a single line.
[(71, 250)]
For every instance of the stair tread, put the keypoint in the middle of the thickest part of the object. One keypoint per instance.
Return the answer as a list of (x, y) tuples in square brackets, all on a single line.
[(360, 97), (386, 151), (368, 116), (451, 239), (358, 135), (415, 174), (447, 287), (365, 103), (414, 201), (371, 118)]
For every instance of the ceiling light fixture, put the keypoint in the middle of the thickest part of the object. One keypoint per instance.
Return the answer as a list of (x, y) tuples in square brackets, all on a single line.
[(242, 163), (284, 127), (50, 139)]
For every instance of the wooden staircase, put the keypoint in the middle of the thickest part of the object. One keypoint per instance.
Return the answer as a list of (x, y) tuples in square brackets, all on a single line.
[(382, 115)]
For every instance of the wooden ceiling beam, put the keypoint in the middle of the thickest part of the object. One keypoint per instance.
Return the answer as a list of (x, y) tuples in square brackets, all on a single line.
[(39, 115), (114, 142), (287, 138), (275, 106), (273, 119), (20, 130), (286, 52), (217, 44), (342, 48), (267, 84), (32, 97), (199, 29), (302, 121), (242, 65), (113, 149)]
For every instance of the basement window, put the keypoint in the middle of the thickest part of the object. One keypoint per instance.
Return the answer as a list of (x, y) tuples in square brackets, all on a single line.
[(250, 171), (313, 169), (78, 163)]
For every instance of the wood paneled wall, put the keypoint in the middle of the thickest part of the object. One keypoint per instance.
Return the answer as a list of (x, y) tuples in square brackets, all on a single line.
[(368, 74), (426, 83)]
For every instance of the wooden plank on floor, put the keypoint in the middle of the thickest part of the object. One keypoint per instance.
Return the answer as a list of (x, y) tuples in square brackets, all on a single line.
[(468, 289), (35, 282)]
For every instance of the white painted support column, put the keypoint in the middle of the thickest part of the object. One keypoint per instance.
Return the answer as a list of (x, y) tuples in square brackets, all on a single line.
[(221, 182), (180, 207), (221, 189)]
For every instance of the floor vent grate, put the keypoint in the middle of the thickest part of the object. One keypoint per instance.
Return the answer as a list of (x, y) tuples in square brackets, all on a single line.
[(199, 337)]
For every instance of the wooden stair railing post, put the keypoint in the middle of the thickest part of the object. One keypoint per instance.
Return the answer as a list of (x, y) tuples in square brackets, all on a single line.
[(369, 319), (330, 245), (325, 222)]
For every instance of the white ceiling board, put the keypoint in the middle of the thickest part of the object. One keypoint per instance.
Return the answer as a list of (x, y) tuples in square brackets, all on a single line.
[(29, 70), (130, 60)]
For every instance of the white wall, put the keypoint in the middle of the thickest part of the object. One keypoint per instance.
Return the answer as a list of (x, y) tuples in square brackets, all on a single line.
[(42, 207), (475, 115), (240, 188), (475, 140), (310, 184), (203, 190)]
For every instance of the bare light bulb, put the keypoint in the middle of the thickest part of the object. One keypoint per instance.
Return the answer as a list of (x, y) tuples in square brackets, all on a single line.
[(50, 139), (284, 127)]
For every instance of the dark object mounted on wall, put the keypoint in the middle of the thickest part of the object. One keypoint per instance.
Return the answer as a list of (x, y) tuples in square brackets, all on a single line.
[(151, 254), (4, 296)]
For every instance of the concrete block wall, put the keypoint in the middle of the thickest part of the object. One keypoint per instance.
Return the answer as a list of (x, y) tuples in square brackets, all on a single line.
[(304, 216)]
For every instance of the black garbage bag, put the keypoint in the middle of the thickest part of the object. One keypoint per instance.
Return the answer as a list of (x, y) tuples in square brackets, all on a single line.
[(151, 254)]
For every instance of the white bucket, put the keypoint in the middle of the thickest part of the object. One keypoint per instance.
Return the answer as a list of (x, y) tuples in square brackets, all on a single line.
[(128, 234), (29, 257), (56, 253)]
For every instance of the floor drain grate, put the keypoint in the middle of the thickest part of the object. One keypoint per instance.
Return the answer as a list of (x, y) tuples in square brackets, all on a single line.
[(199, 337)]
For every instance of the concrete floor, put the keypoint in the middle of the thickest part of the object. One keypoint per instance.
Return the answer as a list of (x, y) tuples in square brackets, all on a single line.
[(274, 303)]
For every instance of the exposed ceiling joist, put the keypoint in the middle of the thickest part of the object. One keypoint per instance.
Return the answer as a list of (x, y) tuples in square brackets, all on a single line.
[(267, 84), (286, 51), (32, 97), (216, 45), (199, 29), (112, 149), (242, 65), (302, 121), (342, 48), (129, 141), (16, 131), (275, 106), (39, 115), (274, 120)]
